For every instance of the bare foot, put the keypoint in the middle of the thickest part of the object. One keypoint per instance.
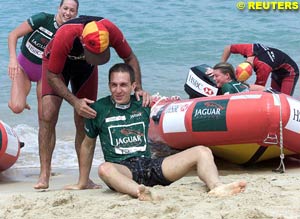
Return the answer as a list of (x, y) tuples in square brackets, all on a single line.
[(228, 189), (144, 194), (41, 184), (27, 106), (92, 185)]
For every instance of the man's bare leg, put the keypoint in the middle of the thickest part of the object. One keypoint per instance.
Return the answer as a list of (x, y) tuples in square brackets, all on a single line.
[(119, 177), (46, 147), (178, 165), (47, 138), (79, 136)]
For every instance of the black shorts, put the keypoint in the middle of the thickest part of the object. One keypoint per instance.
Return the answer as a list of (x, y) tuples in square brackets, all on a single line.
[(146, 171), (82, 76)]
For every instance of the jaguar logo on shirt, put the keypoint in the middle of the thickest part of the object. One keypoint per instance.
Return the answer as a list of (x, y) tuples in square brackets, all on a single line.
[(37, 42), (129, 138)]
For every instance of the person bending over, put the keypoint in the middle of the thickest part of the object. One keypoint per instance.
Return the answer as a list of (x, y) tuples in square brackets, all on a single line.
[(265, 60), (73, 56)]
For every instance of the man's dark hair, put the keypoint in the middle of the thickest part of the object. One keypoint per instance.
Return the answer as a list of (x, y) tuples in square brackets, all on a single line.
[(122, 67)]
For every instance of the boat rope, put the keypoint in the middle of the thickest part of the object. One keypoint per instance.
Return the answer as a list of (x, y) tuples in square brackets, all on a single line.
[(157, 98), (281, 167)]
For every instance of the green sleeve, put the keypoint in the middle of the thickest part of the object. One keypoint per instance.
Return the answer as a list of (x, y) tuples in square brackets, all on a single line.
[(91, 126), (37, 20), (227, 88)]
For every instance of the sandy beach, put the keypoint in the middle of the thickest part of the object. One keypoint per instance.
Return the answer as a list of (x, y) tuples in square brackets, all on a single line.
[(268, 195)]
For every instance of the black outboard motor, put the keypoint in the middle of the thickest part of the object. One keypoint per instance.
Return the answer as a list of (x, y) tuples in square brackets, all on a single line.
[(198, 84)]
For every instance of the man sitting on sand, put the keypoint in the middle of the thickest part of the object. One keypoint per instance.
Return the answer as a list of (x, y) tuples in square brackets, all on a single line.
[(122, 124)]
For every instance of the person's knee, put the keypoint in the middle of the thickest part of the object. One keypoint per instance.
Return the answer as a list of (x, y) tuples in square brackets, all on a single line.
[(105, 169), (203, 151), (16, 107), (50, 106), (49, 115), (79, 121)]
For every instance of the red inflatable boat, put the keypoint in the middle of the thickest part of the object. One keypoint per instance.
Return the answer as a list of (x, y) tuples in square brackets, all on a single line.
[(242, 128), (9, 146)]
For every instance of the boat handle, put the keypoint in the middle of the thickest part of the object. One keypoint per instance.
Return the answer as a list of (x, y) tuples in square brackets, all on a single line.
[(271, 139)]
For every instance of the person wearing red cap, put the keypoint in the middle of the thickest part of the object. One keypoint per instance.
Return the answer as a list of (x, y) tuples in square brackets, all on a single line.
[(266, 60), (72, 57)]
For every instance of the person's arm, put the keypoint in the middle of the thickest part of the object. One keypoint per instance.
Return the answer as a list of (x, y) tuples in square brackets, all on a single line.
[(85, 163), (124, 51), (81, 105), (255, 87), (20, 31), (262, 73), (226, 53), (134, 63)]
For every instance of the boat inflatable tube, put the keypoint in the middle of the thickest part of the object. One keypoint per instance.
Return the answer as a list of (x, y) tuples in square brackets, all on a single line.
[(198, 84), (9, 146), (243, 128)]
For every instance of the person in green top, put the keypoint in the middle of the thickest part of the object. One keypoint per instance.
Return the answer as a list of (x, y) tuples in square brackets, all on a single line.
[(122, 125), (224, 76), (25, 68)]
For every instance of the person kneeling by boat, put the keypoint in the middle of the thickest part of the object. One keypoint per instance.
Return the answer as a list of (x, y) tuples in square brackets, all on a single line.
[(122, 125), (225, 78), (265, 61)]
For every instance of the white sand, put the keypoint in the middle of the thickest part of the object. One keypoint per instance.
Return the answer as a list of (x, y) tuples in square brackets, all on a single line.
[(268, 195)]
